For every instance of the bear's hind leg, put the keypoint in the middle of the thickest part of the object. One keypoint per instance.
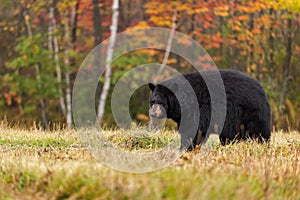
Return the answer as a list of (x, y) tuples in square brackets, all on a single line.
[(259, 130)]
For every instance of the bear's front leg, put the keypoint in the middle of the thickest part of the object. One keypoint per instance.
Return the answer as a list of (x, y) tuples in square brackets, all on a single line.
[(187, 141)]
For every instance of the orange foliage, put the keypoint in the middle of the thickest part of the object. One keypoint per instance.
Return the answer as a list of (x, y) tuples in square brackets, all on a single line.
[(143, 117)]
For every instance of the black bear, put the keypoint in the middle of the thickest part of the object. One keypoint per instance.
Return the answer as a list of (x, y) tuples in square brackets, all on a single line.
[(246, 114)]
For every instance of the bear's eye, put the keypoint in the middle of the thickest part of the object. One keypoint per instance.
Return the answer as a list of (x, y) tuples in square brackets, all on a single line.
[(156, 102)]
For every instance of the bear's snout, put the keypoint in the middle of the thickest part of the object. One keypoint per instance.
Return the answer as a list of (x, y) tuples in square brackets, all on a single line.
[(157, 111)]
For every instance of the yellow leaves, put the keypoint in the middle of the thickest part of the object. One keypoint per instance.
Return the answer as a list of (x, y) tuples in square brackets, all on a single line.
[(249, 33), (286, 16), (251, 7), (290, 5), (265, 20), (222, 11), (242, 8), (142, 24), (159, 21), (251, 68), (161, 12), (243, 18), (63, 6), (248, 70), (233, 42), (242, 37), (236, 28), (142, 117), (27, 17), (158, 8), (172, 61), (238, 23), (201, 10), (182, 7), (151, 52)]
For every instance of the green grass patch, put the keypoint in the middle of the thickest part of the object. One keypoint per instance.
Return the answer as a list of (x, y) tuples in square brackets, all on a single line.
[(139, 139), (46, 142), (55, 165)]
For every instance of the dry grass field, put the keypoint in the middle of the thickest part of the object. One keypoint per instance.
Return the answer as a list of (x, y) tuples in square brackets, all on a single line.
[(56, 165)]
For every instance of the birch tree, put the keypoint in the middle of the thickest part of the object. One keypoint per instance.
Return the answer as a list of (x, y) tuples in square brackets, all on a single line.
[(67, 72), (53, 46), (110, 51), (70, 27), (169, 44)]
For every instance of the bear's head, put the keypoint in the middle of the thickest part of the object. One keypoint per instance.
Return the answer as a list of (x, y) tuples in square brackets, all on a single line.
[(161, 99)]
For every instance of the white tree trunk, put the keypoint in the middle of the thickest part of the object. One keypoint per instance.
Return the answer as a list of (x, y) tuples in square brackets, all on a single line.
[(110, 51), (169, 45), (50, 32), (53, 45), (67, 72)]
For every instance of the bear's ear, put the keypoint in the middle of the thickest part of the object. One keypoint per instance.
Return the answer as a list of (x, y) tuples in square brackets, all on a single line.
[(151, 86)]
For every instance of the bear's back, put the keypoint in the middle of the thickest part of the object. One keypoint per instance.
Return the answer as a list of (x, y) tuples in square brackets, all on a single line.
[(239, 87)]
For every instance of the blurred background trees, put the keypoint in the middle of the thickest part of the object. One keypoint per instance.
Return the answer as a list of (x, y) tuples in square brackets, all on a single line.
[(44, 42)]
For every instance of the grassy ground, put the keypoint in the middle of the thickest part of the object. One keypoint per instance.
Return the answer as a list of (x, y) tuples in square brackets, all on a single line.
[(55, 165)]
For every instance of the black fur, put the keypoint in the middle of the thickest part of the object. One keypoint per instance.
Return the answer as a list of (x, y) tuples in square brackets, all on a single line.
[(247, 114)]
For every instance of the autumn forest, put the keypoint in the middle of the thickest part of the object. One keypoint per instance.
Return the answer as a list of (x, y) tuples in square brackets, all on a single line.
[(43, 44)]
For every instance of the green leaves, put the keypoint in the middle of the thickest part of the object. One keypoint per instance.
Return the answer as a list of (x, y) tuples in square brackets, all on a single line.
[(25, 79)]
